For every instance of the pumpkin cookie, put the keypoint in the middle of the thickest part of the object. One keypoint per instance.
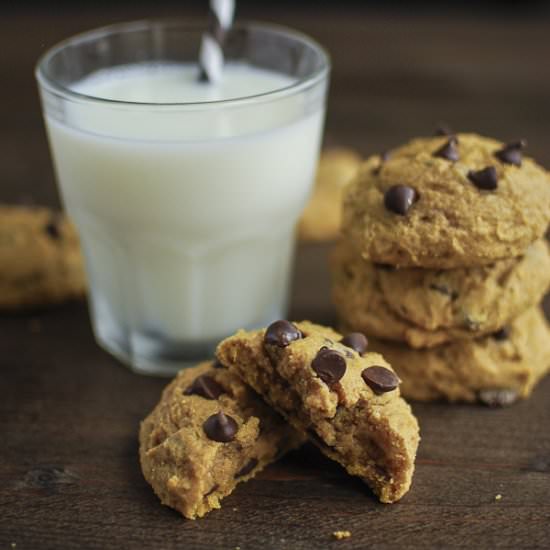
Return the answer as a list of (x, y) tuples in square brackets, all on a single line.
[(425, 308), (346, 400), (495, 370), (208, 433), (40, 260), (447, 202), (321, 218)]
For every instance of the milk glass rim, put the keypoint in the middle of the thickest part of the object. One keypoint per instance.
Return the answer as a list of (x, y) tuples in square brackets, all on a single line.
[(49, 84)]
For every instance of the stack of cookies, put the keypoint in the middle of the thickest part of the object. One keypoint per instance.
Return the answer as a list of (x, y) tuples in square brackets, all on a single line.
[(443, 262)]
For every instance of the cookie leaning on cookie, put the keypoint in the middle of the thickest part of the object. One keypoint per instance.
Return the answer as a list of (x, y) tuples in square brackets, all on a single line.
[(208, 433), (40, 259), (347, 400), (447, 202)]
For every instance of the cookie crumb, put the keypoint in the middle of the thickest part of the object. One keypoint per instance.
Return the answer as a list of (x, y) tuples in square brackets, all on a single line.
[(498, 497), (340, 535)]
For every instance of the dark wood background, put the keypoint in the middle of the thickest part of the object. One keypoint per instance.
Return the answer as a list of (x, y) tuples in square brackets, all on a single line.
[(69, 413)]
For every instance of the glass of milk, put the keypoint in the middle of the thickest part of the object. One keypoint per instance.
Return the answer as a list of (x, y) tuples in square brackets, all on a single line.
[(185, 193)]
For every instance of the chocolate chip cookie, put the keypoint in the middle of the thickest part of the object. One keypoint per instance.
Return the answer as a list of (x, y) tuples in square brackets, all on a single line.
[(447, 202), (346, 399), (321, 218), (40, 260), (208, 433), (495, 370), (426, 308)]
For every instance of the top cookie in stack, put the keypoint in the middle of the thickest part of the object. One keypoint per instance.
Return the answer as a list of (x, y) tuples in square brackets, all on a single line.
[(447, 202), (443, 242)]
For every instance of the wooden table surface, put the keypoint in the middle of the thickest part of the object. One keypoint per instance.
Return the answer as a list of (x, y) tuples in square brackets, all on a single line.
[(69, 413)]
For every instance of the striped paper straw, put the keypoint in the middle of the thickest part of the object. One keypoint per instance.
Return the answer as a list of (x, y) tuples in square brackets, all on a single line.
[(211, 57)]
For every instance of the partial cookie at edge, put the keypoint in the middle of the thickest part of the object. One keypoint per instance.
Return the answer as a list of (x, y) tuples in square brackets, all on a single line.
[(40, 258)]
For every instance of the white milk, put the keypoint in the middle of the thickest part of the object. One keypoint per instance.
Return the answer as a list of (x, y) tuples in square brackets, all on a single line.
[(185, 217)]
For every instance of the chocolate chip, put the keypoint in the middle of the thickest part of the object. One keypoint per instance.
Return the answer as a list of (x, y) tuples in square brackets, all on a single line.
[(220, 427), (356, 341), (281, 334), (330, 365), (247, 468), (399, 198), (205, 387), (449, 150), (501, 335), (485, 179), (379, 379), (446, 291), (497, 397), (385, 267), (52, 230), (443, 130), (511, 152)]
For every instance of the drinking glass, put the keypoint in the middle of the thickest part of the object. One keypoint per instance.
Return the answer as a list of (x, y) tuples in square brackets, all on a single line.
[(186, 211)]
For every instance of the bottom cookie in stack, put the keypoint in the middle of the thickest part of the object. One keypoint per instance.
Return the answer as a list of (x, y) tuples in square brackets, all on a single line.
[(495, 370)]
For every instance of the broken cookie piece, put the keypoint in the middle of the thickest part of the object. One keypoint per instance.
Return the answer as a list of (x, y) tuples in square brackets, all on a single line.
[(208, 433), (348, 403)]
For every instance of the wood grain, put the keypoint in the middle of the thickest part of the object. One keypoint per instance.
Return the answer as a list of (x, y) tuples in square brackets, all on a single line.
[(69, 475)]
